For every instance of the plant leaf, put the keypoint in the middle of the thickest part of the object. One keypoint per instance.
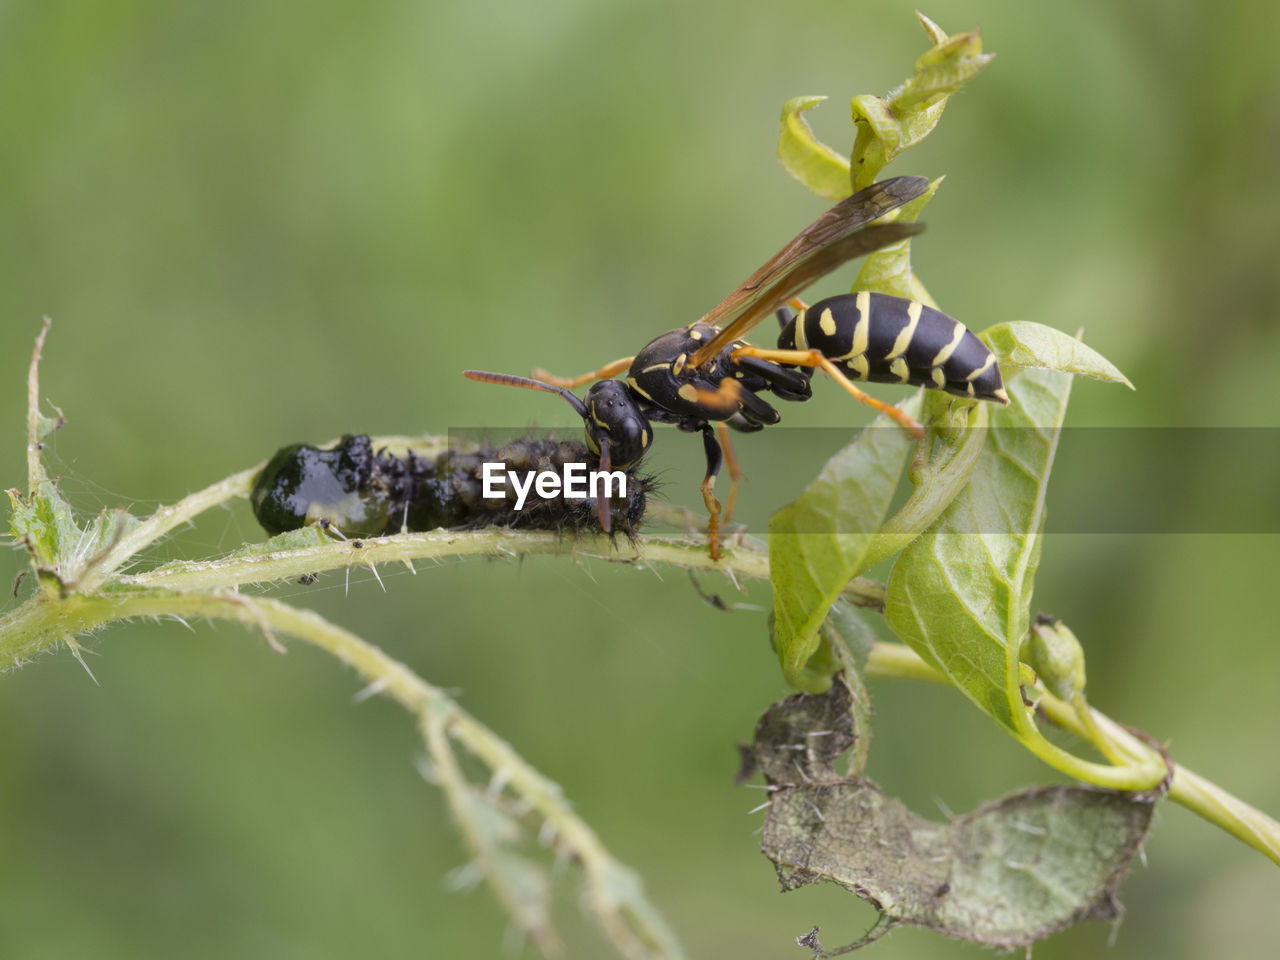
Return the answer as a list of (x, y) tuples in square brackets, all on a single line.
[(43, 521), (821, 169), (1005, 875), (908, 114), (836, 529), (821, 541), (885, 126), (961, 594), (1022, 343), (799, 739)]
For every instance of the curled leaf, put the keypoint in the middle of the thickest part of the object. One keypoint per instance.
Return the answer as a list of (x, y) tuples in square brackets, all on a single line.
[(885, 125), (908, 114), (821, 169)]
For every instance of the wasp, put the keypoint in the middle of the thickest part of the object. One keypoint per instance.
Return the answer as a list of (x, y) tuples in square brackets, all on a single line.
[(705, 373)]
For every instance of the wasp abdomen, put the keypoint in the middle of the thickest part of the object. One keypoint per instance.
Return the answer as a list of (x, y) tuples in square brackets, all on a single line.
[(884, 339)]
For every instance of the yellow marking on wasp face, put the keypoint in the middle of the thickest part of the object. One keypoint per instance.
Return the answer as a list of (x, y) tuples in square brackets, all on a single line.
[(598, 422), (802, 341), (591, 443), (679, 363), (991, 359), (859, 367), (695, 334), (969, 388), (688, 392), (655, 366), (939, 378), (1000, 395), (903, 339), (827, 322), (644, 439), (631, 382), (898, 367), (943, 355)]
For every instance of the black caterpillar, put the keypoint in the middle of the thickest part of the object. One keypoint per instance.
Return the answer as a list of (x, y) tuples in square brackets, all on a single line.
[(363, 493)]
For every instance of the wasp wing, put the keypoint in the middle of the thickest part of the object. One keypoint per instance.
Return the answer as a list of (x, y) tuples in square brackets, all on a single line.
[(839, 235)]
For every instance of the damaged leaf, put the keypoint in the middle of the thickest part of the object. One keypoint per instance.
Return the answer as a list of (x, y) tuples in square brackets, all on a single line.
[(799, 739), (1007, 874)]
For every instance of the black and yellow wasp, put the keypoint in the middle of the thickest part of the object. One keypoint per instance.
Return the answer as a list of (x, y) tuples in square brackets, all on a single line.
[(704, 373)]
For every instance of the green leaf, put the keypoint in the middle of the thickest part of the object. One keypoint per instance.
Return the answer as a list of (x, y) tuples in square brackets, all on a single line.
[(44, 523), (821, 169), (960, 595), (1005, 875), (885, 126), (835, 530), (1025, 344), (888, 126), (823, 539)]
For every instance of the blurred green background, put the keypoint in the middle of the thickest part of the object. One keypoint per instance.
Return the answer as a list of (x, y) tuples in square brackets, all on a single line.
[(257, 223)]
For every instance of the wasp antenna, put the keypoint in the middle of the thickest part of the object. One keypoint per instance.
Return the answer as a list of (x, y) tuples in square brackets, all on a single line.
[(510, 380)]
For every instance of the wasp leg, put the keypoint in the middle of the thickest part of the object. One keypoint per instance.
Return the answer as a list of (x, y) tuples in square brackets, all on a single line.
[(607, 372), (786, 383), (735, 471), (815, 358), (714, 460), (788, 312), (731, 401)]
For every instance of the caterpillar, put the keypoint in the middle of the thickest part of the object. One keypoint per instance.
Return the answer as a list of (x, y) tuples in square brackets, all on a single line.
[(361, 492)]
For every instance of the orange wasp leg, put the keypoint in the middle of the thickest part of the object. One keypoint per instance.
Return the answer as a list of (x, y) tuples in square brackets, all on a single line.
[(735, 471)]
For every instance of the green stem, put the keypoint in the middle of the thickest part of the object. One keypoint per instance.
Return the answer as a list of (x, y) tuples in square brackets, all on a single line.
[(739, 560), (1187, 788), (630, 920), (164, 520), (189, 507)]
